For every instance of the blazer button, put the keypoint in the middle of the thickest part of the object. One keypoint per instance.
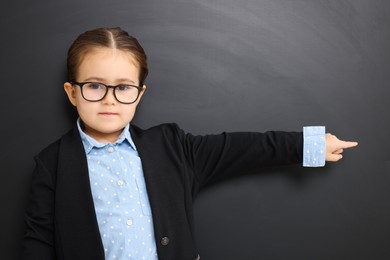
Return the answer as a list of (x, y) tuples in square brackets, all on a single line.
[(164, 241)]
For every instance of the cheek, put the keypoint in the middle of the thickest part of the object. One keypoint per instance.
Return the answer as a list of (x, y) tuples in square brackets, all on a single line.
[(85, 108), (79, 100), (129, 111)]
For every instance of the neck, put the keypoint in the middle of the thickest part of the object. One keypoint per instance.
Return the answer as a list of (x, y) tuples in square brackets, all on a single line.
[(103, 137)]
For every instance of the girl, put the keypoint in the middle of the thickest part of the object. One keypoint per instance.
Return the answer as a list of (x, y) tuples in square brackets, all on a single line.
[(110, 190)]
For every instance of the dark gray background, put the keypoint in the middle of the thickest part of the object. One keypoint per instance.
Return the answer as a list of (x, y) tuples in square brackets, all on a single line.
[(215, 65)]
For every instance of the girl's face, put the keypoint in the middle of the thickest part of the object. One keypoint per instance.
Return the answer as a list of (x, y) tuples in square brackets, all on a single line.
[(104, 120)]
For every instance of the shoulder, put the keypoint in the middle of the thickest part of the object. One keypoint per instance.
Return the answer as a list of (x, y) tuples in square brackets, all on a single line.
[(167, 129), (164, 135), (49, 154)]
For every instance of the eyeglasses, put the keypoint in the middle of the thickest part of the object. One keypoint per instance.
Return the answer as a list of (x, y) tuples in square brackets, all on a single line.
[(96, 91)]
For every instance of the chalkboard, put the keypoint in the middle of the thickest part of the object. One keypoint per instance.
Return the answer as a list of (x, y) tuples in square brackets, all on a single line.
[(215, 65)]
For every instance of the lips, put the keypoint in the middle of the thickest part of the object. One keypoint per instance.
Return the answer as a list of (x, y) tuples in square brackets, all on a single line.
[(108, 113)]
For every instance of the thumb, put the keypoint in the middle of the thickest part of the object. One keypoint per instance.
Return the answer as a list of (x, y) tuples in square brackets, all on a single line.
[(334, 157)]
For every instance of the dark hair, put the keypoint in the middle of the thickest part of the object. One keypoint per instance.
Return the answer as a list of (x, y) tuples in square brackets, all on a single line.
[(114, 38)]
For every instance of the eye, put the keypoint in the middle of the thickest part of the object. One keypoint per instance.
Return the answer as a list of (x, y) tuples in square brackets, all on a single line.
[(94, 86), (123, 87)]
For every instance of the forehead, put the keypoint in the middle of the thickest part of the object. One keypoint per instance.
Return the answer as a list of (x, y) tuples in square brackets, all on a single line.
[(109, 64)]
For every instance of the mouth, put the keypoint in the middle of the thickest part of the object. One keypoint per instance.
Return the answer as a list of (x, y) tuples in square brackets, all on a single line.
[(108, 113)]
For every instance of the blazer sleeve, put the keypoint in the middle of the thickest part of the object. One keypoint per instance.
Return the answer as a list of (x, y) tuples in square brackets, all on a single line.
[(214, 157), (38, 241)]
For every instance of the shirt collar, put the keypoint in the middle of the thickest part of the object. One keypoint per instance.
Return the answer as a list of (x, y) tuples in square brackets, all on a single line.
[(89, 143)]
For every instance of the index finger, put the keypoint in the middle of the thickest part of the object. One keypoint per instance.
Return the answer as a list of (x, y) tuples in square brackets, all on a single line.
[(348, 144)]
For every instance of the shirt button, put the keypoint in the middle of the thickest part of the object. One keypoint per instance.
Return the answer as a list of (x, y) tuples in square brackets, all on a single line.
[(110, 149), (120, 183), (129, 222), (164, 241)]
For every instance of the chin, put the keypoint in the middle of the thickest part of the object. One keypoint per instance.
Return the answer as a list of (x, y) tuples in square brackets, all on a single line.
[(111, 130)]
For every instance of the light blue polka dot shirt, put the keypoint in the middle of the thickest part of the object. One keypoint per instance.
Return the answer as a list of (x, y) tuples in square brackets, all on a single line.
[(120, 198)]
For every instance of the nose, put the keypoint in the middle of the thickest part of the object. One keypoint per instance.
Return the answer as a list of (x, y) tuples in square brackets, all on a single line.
[(109, 98)]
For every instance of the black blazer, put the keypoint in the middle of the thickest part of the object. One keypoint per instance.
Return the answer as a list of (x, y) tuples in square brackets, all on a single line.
[(61, 220)]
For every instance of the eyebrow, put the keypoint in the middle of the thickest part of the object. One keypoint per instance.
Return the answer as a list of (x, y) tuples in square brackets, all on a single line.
[(120, 80)]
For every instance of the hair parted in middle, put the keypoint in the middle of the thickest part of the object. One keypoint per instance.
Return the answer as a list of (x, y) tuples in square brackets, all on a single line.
[(114, 38)]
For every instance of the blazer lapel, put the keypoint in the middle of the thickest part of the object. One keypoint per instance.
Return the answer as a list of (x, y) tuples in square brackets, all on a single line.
[(156, 183), (166, 185), (76, 218)]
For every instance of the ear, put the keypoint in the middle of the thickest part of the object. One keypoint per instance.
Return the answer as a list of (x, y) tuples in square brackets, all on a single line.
[(71, 92), (142, 91)]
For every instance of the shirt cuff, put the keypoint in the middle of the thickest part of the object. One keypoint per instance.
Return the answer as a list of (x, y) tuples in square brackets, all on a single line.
[(314, 146)]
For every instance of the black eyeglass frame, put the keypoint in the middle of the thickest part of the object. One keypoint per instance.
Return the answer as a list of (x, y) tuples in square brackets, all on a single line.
[(81, 84)]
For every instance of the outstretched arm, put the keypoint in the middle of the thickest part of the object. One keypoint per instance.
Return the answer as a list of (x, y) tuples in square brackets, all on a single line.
[(335, 147)]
